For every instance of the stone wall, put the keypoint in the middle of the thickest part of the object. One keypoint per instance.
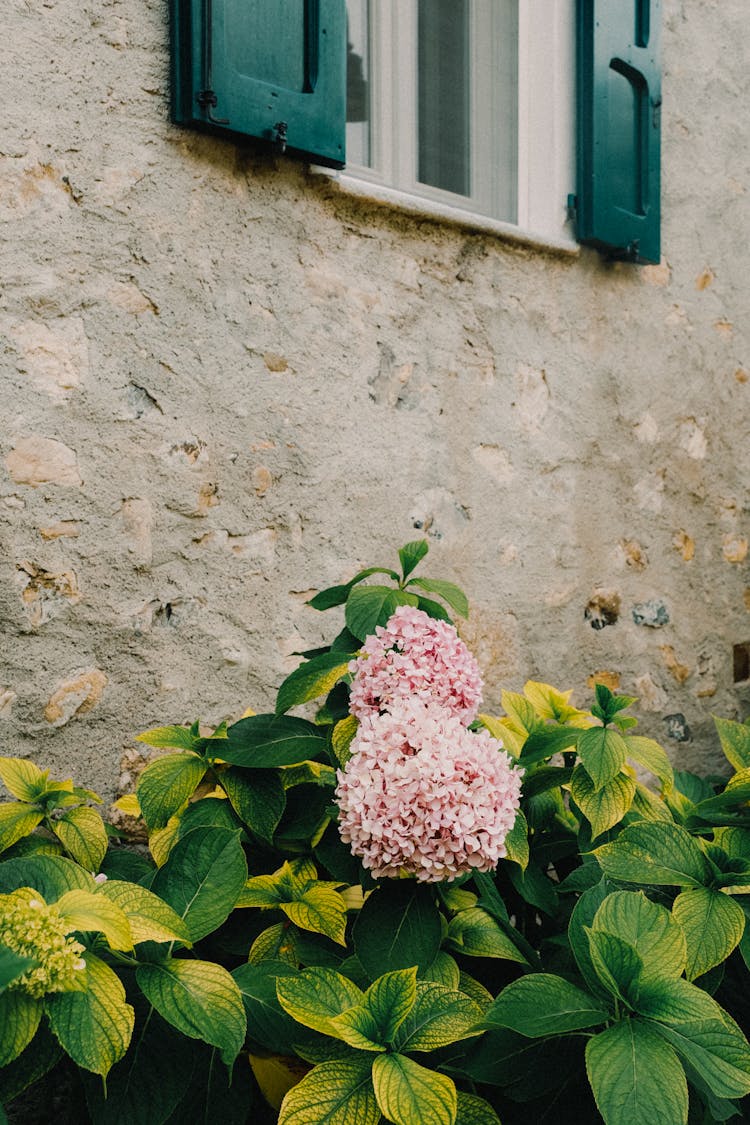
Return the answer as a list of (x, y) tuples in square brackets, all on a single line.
[(226, 384)]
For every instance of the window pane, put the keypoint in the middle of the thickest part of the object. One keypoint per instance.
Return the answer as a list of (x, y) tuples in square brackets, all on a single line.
[(358, 82), (444, 95)]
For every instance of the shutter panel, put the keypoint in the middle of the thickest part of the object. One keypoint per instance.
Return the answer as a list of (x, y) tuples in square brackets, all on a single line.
[(619, 127), (272, 69)]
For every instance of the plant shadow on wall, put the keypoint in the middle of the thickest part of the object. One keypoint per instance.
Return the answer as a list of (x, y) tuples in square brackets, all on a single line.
[(404, 911)]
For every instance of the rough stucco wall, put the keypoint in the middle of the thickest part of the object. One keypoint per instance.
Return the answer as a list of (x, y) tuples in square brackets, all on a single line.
[(224, 382)]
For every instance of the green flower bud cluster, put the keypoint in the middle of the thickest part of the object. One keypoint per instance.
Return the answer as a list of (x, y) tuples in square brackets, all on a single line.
[(33, 929)]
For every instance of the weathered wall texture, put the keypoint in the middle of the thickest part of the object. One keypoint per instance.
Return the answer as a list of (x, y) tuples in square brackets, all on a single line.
[(224, 384)]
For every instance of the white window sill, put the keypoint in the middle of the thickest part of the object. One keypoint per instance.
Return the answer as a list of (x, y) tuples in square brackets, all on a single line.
[(442, 212)]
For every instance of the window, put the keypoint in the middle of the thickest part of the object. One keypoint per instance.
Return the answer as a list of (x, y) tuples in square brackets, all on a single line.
[(520, 112)]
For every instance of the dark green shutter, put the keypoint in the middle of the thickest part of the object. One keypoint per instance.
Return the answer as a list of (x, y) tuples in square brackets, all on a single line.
[(272, 69), (619, 127)]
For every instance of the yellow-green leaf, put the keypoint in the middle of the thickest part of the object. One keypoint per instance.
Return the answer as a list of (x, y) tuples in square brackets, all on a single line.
[(22, 778), (169, 738), (94, 1026), (372, 1024), (83, 910), (316, 996), (16, 821), (277, 943), (342, 737), (19, 1018), (443, 970), (128, 804), (199, 998), (735, 742), (321, 910), (517, 841), (162, 840), (603, 752), (650, 928), (408, 1093), (439, 1016), (648, 806), (334, 1093), (649, 753), (473, 1110), (81, 831), (166, 784), (475, 933), (603, 807), (713, 924), (150, 917)]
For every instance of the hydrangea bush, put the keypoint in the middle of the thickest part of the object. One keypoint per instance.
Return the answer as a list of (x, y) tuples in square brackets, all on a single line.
[(390, 906)]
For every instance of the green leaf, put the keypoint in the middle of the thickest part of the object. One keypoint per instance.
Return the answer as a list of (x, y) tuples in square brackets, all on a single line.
[(649, 928), (517, 841), (337, 595), (22, 778), (603, 807), (169, 738), (718, 1051), (448, 591), (547, 741), (339, 1092), (19, 1018), (200, 999), (581, 919), (342, 737), (81, 831), (258, 798), (655, 853), (84, 910), (321, 910), (50, 875), (636, 1077), (411, 555), (542, 1004), (40, 1056), (535, 887), (439, 1016), (203, 878), (398, 926), (270, 741), (371, 1025), (408, 1093), (647, 806), (475, 933), (650, 754), (316, 996), (277, 943), (676, 1001), (216, 1095), (312, 679), (616, 963), (443, 970), (268, 1023), (603, 752), (473, 1110), (13, 966), (434, 609), (735, 742), (150, 918), (17, 820), (166, 784), (713, 924), (93, 1026), (369, 606)]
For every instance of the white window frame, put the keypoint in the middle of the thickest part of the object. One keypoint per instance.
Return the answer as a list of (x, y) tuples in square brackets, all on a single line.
[(545, 108)]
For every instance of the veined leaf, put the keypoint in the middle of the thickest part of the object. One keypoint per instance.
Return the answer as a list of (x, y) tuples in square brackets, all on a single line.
[(169, 738), (150, 918), (603, 752), (277, 943), (50, 875), (22, 778), (473, 1110), (676, 1001), (337, 595), (93, 1026), (166, 784), (718, 1051), (315, 996), (321, 910), (13, 966), (411, 555), (342, 737), (19, 1018), (398, 926), (549, 703), (475, 933), (128, 804), (735, 742), (268, 1024), (162, 840), (81, 831), (84, 910), (581, 919), (542, 1004), (713, 924), (258, 798), (616, 963), (661, 854), (371, 1025), (517, 841), (200, 999), (649, 753), (439, 1016), (369, 606), (636, 1077), (407, 1092), (312, 679), (270, 741), (649, 928), (603, 807), (647, 806), (203, 878), (448, 591), (339, 1092), (17, 820)]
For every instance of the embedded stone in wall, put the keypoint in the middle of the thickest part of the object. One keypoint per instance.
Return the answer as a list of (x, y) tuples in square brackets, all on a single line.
[(7, 698), (128, 297), (746, 598), (649, 492), (438, 514), (682, 542), (656, 275), (495, 461), (652, 614), (258, 547), (634, 554), (651, 697), (39, 460), (734, 548), (603, 609), (137, 516), (677, 669), (677, 727), (262, 480), (75, 696), (646, 430), (140, 402), (54, 354), (392, 384), (63, 529), (693, 439), (46, 595), (609, 679), (532, 398), (275, 362)]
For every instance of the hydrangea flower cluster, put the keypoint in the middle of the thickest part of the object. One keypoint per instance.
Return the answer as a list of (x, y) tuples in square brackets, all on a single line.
[(424, 796), (33, 929), (415, 655)]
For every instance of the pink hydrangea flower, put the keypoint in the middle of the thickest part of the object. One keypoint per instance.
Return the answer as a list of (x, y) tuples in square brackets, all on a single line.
[(415, 655), (423, 795)]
